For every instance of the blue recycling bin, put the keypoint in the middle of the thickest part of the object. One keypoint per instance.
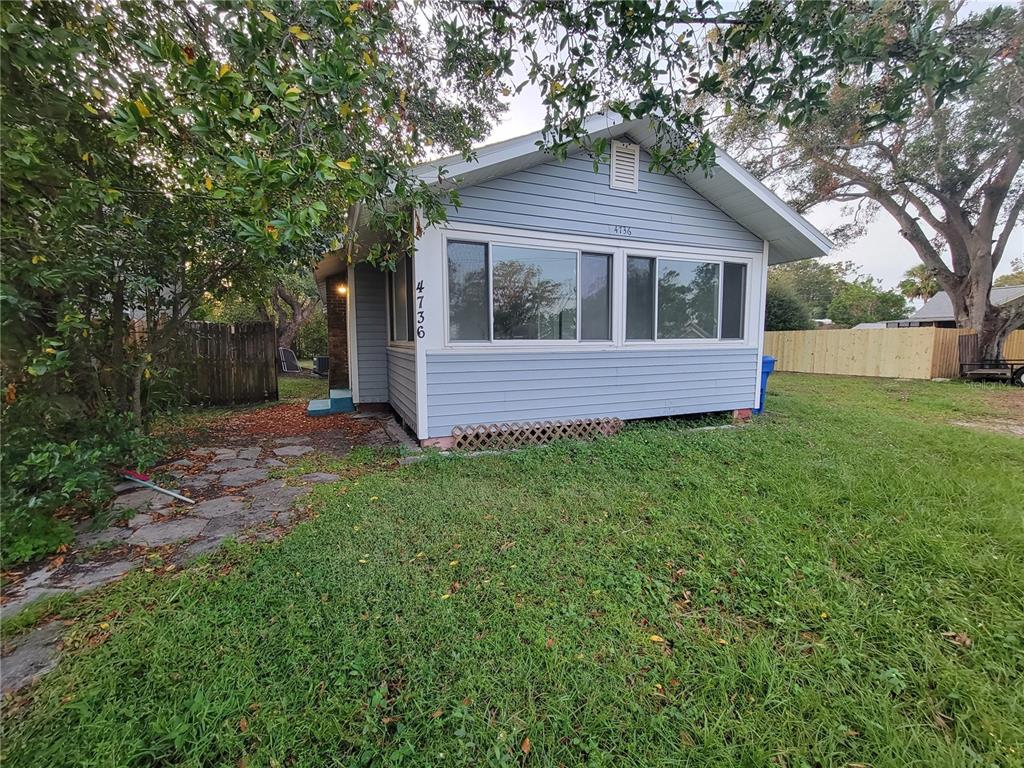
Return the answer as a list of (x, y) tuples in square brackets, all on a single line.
[(767, 366)]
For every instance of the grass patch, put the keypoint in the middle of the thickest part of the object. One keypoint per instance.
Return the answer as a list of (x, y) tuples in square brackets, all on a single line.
[(12, 627), (838, 583), (360, 459), (295, 388)]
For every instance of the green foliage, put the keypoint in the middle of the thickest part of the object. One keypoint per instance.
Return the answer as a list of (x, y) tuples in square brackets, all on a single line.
[(784, 311), (864, 302), (815, 283), (312, 337), (1015, 277), (54, 460), (919, 283), (801, 571)]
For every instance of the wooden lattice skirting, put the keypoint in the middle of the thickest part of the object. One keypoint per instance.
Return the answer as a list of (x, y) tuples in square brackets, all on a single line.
[(481, 437)]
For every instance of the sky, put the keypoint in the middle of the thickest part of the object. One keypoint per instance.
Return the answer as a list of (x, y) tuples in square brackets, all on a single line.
[(880, 252)]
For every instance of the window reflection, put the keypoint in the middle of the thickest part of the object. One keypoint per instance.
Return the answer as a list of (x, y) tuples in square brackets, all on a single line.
[(534, 293)]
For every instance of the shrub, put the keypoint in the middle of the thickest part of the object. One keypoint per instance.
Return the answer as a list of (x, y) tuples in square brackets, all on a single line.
[(312, 337), (55, 462), (784, 311)]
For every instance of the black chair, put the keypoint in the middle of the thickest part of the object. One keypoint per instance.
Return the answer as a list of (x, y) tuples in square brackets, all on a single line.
[(289, 363)]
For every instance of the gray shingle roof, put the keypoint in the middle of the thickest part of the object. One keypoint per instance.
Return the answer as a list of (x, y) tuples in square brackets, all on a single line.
[(939, 307)]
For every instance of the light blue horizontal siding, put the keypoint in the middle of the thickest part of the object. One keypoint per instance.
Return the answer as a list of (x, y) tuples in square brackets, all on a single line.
[(402, 383), (484, 387), (571, 198), (371, 334)]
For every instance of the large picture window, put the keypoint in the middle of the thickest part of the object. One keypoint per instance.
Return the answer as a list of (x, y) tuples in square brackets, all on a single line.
[(669, 298), (519, 293)]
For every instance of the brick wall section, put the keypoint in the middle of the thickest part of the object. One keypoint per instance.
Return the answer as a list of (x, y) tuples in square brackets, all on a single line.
[(337, 333)]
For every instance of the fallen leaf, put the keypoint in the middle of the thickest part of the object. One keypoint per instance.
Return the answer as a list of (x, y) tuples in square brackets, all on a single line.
[(104, 625), (958, 638), (550, 642), (657, 639), (436, 713), (243, 724), (208, 183), (526, 746)]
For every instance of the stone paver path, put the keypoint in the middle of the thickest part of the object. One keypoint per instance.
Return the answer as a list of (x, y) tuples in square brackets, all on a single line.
[(235, 498)]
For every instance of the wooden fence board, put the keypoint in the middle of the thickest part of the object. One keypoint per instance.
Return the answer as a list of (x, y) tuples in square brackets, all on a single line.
[(905, 353), (229, 364)]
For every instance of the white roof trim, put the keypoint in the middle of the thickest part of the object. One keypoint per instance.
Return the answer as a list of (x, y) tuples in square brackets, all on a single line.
[(730, 187)]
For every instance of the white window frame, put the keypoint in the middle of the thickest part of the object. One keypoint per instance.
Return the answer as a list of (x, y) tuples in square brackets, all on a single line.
[(390, 309), (658, 258), (618, 249)]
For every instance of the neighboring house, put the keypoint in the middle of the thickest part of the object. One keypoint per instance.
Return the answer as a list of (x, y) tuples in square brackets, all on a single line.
[(556, 292), (872, 326), (938, 310)]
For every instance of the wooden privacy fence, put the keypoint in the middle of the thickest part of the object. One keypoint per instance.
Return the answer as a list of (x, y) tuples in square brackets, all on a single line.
[(904, 353), (229, 363)]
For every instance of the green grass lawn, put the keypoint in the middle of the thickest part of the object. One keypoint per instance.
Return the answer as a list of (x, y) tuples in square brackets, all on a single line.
[(774, 595)]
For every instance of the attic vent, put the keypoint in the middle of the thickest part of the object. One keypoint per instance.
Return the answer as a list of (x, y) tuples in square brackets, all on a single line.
[(625, 166)]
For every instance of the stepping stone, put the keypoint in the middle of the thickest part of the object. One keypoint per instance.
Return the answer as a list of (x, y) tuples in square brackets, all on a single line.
[(140, 520), (273, 463), (34, 656), (251, 453), (225, 453), (273, 496), (86, 577), (293, 450), (291, 441), (168, 532), (92, 538), (141, 500), (223, 466), (243, 476), (321, 477), (222, 507), (181, 463)]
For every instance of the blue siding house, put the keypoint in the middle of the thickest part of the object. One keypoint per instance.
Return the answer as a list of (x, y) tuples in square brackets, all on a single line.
[(554, 291)]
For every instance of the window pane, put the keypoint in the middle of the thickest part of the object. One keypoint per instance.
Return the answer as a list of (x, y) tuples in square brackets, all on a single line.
[(534, 293), (639, 298), (734, 299), (595, 296), (400, 302), (687, 300), (468, 304)]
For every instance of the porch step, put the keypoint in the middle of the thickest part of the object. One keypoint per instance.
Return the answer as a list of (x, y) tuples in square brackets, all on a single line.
[(340, 402)]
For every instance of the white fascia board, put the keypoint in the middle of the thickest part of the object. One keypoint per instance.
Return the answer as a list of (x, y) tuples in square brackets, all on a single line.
[(509, 155)]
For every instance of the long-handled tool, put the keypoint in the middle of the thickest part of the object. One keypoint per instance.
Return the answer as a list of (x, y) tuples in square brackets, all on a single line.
[(141, 479)]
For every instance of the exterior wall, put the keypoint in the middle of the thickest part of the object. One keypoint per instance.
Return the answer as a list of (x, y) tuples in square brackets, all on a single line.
[(371, 326), (402, 382), (337, 332), (475, 387), (570, 198), (568, 205)]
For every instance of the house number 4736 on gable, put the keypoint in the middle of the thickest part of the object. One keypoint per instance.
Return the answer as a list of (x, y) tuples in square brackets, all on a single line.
[(622, 229), (420, 317)]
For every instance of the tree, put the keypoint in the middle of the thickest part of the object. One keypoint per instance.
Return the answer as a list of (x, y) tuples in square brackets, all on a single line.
[(815, 283), (919, 283), (863, 302), (1016, 277), (946, 168), (158, 154), (784, 311)]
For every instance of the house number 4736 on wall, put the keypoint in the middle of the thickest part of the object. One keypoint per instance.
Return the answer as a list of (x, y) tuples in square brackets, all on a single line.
[(420, 317), (622, 229)]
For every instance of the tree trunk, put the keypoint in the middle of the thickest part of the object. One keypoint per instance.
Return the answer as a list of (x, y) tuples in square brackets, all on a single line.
[(288, 324)]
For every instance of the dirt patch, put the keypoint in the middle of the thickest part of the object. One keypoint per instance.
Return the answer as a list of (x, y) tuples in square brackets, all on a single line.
[(1008, 406)]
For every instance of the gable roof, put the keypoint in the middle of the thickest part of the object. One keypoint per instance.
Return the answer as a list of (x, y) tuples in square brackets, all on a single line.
[(729, 186), (939, 307)]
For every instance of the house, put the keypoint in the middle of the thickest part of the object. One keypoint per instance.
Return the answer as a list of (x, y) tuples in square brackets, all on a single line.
[(938, 310), (557, 292)]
